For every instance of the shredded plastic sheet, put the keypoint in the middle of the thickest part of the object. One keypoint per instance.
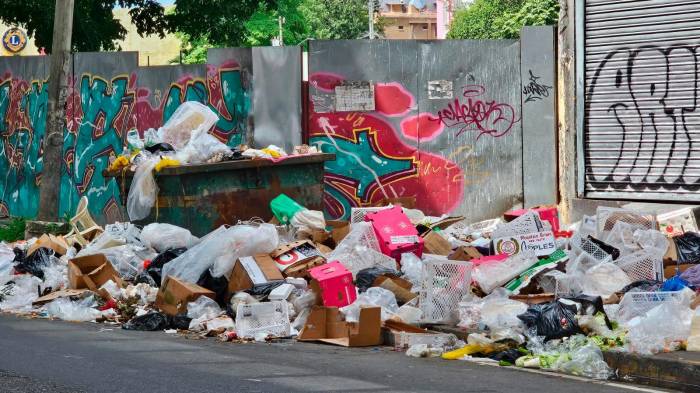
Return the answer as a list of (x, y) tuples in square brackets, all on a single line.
[(143, 191), (81, 311), (374, 297)]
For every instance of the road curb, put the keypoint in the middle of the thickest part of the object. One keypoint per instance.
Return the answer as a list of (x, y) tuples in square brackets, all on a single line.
[(661, 371)]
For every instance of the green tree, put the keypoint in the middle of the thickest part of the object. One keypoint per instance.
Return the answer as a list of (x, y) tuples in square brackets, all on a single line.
[(221, 21), (263, 25), (494, 19), (336, 19), (95, 28), (194, 50)]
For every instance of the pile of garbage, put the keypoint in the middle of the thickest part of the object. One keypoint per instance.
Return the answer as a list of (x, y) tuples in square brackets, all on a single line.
[(522, 290)]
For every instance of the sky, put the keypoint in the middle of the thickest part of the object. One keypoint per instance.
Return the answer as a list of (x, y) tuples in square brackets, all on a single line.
[(166, 2)]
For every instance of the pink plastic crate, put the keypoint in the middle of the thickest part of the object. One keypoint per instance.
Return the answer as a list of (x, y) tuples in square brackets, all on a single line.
[(335, 284), (549, 214), (489, 259), (395, 232)]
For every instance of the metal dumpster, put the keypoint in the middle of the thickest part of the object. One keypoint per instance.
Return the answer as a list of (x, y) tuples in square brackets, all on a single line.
[(205, 196)]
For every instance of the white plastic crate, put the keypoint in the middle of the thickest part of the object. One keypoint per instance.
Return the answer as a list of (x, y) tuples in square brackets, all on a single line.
[(405, 340), (444, 283), (357, 214), (360, 250), (529, 222), (642, 265), (608, 216), (635, 304), (271, 318)]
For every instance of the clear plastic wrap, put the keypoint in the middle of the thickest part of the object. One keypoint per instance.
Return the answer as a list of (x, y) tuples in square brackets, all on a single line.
[(81, 311), (202, 147), (603, 280), (188, 117), (493, 275), (412, 268), (143, 191), (660, 328), (163, 237), (18, 294), (200, 311)]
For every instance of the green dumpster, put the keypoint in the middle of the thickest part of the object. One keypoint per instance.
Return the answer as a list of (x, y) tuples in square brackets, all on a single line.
[(205, 196)]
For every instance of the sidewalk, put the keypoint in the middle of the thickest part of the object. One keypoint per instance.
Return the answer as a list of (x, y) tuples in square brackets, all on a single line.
[(676, 370)]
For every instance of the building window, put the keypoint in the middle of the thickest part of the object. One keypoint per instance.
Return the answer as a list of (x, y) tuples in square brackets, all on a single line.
[(401, 27), (425, 27)]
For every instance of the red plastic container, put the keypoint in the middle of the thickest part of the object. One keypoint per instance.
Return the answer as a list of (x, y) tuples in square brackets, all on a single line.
[(550, 214), (395, 232), (335, 284)]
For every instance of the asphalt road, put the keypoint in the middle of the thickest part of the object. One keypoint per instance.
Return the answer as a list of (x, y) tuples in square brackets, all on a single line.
[(53, 356)]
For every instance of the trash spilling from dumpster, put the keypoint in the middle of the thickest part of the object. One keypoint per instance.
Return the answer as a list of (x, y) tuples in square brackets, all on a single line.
[(521, 290)]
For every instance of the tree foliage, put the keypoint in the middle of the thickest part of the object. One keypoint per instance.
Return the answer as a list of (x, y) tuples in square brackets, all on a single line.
[(336, 19), (95, 27), (221, 21), (194, 50), (495, 19), (263, 25)]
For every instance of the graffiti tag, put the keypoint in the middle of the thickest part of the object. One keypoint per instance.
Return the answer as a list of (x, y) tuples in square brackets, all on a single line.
[(535, 91), (471, 113)]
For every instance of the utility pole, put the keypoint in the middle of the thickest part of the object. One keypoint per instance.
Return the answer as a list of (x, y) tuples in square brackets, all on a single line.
[(56, 117), (370, 9), (281, 21)]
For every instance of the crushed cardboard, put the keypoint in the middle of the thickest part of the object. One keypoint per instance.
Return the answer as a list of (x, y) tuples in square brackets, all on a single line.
[(250, 271), (174, 295), (326, 324), (63, 293), (92, 272)]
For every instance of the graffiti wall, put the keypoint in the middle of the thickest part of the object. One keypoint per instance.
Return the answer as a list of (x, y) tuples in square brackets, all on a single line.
[(446, 127), (109, 95)]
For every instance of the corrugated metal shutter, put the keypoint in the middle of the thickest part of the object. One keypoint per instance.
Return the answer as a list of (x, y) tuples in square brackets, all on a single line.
[(642, 120)]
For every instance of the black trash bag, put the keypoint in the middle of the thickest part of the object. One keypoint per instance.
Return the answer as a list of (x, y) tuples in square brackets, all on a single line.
[(159, 147), (688, 247), (35, 263), (485, 251), (366, 277), (179, 322), (148, 322), (262, 291), (552, 320), (590, 305), (144, 278), (643, 286), (509, 356), (612, 251), (217, 285), (155, 269)]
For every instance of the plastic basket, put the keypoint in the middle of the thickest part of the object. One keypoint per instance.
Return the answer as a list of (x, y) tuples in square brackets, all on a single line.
[(635, 304), (357, 214), (606, 218), (580, 245), (642, 265), (443, 285), (405, 340), (271, 318), (529, 222)]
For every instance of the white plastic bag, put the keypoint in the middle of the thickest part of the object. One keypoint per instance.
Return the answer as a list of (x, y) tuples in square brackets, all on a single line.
[(373, 297), (188, 117), (220, 249), (492, 275), (659, 328), (143, 191), (604, 280), (18, 295), (163, 237), (308, 218), (201, 310)]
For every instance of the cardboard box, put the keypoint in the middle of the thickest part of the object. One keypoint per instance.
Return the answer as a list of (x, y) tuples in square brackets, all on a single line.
[(465, 254), (670, 270), (64, 293), (541, 243), (174, 295), (326, 324), (678, 222), (407, 202), (333, 284), (250, 271), (435, 243), (446, 222), (398, 286), (295, 259), (91, 272), (55, 243), (339, 230)]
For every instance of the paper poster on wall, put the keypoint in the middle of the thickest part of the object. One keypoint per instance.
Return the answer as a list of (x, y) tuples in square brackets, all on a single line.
[(440, 90), (354, 97)]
